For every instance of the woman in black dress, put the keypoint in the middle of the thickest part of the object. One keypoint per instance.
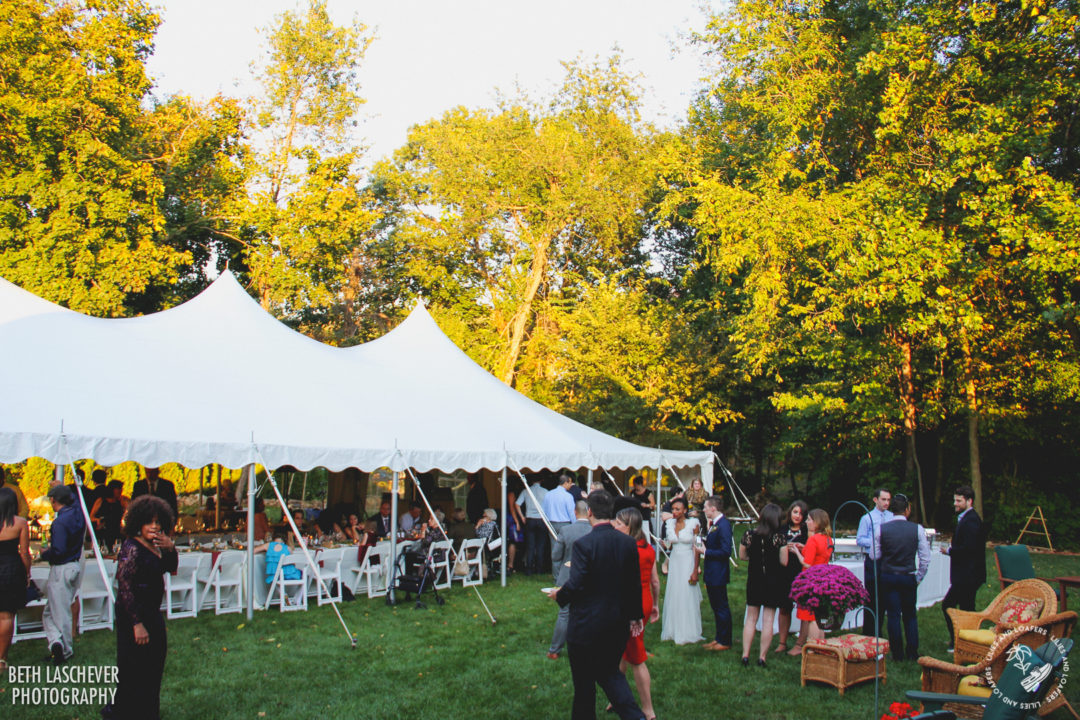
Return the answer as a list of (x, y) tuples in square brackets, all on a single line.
[(146, 555), (794, 532), (108, 513), (760, 548), (14, 568)]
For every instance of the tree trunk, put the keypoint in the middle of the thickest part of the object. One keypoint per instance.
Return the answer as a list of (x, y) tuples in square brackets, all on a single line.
[(972, 399), (520, 318), (912, 469)]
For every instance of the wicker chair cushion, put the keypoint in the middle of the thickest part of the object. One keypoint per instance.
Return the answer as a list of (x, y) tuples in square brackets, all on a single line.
[(1019, 610), (973, 686), (980, 637), (858, 647)]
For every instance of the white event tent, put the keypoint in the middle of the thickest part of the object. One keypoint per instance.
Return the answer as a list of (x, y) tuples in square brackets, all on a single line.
[(218, 380)]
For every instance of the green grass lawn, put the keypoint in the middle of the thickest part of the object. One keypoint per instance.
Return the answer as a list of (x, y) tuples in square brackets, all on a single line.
[(450, 662)]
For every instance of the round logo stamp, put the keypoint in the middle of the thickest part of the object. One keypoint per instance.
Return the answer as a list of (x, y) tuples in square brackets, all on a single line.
[(1036, 671)]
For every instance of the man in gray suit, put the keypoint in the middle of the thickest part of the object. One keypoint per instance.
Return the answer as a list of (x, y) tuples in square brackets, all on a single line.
[(560, 556)]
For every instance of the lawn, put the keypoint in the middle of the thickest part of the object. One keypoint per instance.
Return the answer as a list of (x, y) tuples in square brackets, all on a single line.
[(451, 662)]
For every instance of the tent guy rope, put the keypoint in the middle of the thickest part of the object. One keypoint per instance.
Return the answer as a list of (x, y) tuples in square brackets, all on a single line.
[(303, 546), (539, 507), (431, 513), (86, 515)]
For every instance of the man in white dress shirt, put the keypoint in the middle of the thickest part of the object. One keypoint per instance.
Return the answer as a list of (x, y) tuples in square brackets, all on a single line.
[(559, 505), (869, 531)]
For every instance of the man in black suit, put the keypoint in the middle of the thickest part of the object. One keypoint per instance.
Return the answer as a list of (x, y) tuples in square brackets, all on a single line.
[(154, 484), (604, 594), (967, 557), (382, 521)]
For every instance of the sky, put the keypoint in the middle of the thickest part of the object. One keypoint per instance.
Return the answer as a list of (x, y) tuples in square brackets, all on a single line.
[(432, 55)]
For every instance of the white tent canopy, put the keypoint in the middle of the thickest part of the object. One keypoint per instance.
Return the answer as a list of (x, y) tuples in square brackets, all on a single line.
[(218, 380)]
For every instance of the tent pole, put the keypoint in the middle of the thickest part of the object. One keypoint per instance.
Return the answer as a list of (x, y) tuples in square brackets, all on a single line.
[(502, 532), (251, 540), (217, 503), (657, 522), (390, 597)]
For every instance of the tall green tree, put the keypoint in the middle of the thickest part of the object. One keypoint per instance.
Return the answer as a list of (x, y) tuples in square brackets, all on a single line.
[(887, 189), (304, 211), (79, 206), (196, 152), (504, 209)]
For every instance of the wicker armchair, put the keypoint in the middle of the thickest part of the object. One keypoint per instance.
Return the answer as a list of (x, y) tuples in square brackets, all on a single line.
[(1013, 692), (939, 676), (973, 646)]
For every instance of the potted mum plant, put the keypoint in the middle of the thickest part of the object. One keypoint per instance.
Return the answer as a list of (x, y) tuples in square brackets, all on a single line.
[(830, 592)]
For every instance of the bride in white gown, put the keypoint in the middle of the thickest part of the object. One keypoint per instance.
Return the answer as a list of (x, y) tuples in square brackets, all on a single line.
[(682, 600)]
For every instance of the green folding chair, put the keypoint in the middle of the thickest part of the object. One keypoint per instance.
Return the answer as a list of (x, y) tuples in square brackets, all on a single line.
[(1014, 563)]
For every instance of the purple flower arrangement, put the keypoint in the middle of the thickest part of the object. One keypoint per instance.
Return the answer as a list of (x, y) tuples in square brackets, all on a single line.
[(828, 590)]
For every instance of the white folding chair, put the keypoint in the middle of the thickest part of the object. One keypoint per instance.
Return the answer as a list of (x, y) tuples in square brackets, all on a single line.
[(291, 594), (226, 580), (373, 570), (441, 565), (28, 625), (96, 609), (182, 589), (472, 552), (329, 564)]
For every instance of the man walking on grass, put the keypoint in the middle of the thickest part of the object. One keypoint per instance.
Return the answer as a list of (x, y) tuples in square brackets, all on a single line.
[(604, 595)]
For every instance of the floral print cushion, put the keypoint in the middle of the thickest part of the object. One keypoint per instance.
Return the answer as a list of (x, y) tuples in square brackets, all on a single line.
[(1018, 610), (858, 647)]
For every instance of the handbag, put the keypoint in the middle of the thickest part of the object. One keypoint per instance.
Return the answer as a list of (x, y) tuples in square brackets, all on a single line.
[(461, 567), (32, 592)]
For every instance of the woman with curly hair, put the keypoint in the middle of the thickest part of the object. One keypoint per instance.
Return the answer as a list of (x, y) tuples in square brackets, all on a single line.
[(146, 555)]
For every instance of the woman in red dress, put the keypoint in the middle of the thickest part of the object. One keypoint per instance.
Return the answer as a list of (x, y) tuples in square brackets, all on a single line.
[(628, 520), (817, 551)]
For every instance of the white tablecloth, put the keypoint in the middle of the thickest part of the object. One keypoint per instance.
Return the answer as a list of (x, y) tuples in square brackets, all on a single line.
[(931, 590)]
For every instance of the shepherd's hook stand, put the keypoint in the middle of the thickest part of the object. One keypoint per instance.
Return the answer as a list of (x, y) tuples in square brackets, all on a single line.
[(876, 611)]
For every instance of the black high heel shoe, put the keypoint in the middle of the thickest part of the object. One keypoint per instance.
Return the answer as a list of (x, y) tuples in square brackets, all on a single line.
[(746, 662), (761, 662)]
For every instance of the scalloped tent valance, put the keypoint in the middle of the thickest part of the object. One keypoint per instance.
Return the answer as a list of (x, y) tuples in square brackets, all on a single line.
[(218, 380)]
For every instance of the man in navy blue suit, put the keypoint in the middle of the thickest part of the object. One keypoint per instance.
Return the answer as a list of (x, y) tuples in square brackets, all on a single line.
[(604, 594), (717, 552)]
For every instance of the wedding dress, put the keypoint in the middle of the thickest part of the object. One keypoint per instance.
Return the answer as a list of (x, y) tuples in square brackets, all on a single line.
[(682, 601)]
